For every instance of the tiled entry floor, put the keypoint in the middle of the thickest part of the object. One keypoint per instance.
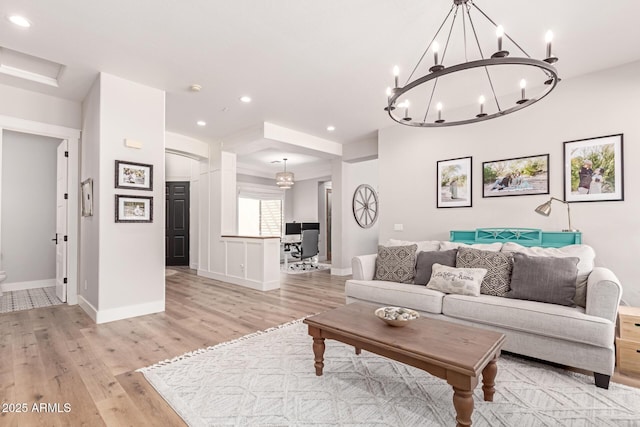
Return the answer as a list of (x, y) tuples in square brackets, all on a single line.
[(27, 299)]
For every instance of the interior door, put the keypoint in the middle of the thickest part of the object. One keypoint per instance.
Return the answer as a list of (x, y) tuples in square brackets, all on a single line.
[(61, 223), (328, 228), (177, 223)]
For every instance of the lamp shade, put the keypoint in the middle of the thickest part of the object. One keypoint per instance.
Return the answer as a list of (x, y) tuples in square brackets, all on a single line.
[(544, 209)]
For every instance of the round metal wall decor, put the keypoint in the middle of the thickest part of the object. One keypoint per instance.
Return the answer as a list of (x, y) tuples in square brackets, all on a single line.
[(365, 205)]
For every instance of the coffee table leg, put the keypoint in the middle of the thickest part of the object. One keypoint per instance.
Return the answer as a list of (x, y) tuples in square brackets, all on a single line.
[(463, 402), (358, 350), (318, 351), (488, 380)]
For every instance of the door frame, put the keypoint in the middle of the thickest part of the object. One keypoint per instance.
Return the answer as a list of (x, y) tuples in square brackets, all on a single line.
[(73, 184)]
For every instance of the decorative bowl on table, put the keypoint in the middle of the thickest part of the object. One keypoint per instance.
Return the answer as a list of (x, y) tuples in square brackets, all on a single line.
[(396, 316)]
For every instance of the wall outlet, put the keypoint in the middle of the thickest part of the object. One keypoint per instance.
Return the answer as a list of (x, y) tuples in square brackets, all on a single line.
[(398, 227)]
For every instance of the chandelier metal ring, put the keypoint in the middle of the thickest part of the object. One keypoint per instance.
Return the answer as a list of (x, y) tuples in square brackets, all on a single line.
[(553, 81)]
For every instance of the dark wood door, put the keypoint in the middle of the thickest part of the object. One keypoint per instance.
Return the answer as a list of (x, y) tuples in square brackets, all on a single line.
[(177, 227)]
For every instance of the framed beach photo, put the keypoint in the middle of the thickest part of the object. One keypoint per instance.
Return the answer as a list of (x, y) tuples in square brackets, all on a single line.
[(87, 197), (593, 169), (136, 176), (134, 208), (454, 183), (521, 176)]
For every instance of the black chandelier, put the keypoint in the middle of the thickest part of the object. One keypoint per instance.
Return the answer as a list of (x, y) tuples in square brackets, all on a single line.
[(484, 69)]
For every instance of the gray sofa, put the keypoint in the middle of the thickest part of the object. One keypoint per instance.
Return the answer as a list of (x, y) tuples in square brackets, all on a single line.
[(571, 336)]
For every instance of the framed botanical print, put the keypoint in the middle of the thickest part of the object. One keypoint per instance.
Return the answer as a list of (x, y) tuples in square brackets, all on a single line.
[(593, 169), (136, 176), (134, 208), (521, 176), (454, 183)]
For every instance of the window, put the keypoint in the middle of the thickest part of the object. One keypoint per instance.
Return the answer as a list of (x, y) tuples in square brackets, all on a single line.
[(259, 217)]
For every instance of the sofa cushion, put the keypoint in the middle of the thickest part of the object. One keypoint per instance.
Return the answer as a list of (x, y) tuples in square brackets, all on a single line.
[(493, 247), (585, 266), (396, 294), (396, 263), (451, 280), (498, 266), (423, 246), (426, 259), (544, 279), (550, 320)]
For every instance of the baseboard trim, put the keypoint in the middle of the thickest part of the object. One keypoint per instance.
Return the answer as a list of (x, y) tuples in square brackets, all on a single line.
[(253, 284), (21, 286), (88, 307), (113, 314), (341, 271), (194, 266)]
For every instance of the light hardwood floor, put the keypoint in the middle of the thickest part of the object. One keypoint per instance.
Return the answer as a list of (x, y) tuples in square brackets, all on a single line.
[(58, 355)]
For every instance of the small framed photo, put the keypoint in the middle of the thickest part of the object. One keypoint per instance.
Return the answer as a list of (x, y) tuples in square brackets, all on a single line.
[(593, 169), (134, 208), (521, 176), (136, 176), (454, 183), (87, 197)]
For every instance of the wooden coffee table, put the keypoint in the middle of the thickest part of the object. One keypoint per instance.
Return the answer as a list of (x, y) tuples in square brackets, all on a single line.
[(456, 353)]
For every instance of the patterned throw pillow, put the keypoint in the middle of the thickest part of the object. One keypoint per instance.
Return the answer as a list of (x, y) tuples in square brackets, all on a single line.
[(498, 265), (396, 263), (461, 281)]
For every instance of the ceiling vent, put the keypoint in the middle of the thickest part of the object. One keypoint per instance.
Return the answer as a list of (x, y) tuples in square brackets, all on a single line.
[(27, 67)]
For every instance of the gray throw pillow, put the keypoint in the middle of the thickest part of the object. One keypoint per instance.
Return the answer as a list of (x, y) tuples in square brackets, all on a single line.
[(544, 279), (396, 263), (426, 260), (498, 266)]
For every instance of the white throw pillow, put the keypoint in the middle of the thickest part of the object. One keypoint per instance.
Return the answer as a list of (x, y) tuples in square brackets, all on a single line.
[(461, 281), (585, 253), (423, 246), (493, 247)]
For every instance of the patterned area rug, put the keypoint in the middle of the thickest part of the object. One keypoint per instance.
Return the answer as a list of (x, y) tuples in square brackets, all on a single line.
[(268, 379), (28, 299)]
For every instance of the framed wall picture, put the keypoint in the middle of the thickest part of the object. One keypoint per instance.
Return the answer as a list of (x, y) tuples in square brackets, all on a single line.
[(136, 176), (134, 208), (87, 197), (454, 183), (593, 169), (521, 176)]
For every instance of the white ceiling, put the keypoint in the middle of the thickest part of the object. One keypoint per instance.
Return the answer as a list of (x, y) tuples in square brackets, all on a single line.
[(306, 63)]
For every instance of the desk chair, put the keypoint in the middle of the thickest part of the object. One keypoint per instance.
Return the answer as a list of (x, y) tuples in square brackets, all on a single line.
[(308, 249)]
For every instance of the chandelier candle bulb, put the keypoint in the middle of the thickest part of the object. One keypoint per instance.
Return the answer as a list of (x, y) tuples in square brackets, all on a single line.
[(406, 111), (436, 47), (439, 108), (500, 34), (523, 85), (396, 73), (481, 101), (549, 38)]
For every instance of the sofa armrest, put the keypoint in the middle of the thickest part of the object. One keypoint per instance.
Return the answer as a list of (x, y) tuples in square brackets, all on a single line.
[(363, 267), (603, 294)]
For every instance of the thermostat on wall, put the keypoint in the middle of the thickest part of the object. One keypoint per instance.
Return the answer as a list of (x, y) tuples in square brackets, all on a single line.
[(132, 143)]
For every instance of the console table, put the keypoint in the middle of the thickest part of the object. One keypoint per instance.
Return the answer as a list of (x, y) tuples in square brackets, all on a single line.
[(522, 236)]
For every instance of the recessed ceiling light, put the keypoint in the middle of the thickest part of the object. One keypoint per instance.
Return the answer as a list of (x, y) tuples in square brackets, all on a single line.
[(245, 99), (201, 123), (20, 21), (331, 128)]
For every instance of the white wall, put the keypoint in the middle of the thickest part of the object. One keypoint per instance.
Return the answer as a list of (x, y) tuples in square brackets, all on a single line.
[(37, 107), (181, 168), (348, 239), (89, 226), (597, 104), (28, 206), (131, 255)]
